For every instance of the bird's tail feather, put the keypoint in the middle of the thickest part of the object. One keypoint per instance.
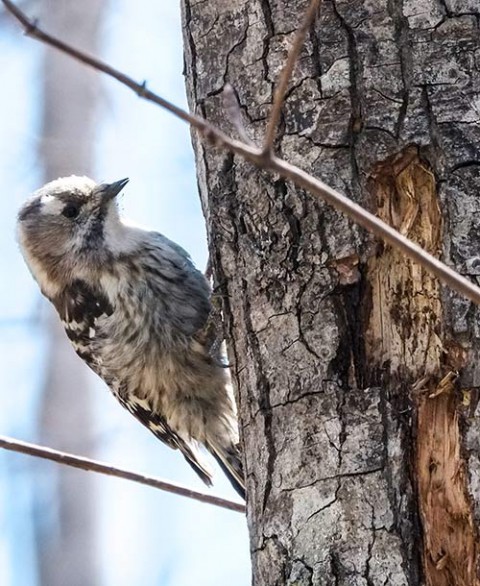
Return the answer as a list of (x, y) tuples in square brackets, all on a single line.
[(193, 458), (230, 461)]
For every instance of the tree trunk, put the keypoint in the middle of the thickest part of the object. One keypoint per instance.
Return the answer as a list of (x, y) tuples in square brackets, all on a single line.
[(356, 371), (67, 549)]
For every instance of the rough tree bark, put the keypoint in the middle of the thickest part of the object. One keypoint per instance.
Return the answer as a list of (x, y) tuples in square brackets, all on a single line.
[(357, 373)]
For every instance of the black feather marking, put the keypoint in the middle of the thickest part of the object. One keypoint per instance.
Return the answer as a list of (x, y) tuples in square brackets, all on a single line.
[(79, 306), (160, 428), (95, 235), (80, 302)]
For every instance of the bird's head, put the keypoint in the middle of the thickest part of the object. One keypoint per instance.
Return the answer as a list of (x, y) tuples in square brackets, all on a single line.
[(66, 221)]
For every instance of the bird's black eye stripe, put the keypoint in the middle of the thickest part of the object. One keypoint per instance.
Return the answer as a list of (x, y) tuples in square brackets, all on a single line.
[(71, 210)]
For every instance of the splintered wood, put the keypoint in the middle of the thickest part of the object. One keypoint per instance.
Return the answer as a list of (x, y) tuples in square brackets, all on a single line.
[(404, 337), (403, 328), (450, 540)]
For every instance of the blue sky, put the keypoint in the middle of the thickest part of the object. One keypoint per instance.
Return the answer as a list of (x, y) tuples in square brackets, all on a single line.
[(145, 537)]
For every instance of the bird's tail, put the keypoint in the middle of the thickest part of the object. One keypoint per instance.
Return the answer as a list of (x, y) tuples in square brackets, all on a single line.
[(192, 456), (230, 460)]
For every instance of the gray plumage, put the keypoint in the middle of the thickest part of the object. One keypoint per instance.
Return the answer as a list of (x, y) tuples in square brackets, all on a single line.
[(134, 308)]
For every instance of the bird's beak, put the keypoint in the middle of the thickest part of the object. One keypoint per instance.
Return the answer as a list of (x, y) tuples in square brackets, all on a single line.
[(110, 190)]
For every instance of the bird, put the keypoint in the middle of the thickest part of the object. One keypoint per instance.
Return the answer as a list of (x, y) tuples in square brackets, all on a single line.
[(136, 310)]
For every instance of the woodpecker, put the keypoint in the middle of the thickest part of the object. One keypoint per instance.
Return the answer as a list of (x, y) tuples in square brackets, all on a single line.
[(135, 309)]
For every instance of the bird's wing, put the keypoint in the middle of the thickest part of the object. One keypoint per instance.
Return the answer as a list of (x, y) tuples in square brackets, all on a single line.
[(158, 425), (177, 280), (80, 307)]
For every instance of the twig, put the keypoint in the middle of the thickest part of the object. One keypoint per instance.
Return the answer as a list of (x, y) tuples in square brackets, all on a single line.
[(4, 16), (209, 269), (15, 445), (282, 85), (32, 30), (256, 156)]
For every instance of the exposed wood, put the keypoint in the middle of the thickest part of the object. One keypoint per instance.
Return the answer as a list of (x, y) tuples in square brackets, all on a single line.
[(404, 331), (406, 342), (451, 544)]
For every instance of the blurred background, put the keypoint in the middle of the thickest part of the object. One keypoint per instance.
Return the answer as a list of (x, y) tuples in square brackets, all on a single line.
[(59, 526)]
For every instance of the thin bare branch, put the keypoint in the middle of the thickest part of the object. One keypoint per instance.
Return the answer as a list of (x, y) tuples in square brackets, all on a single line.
[(286, 170), (282, 85), (5, 17), (15, 445), (209, 269), (376, 226), (32, 30)]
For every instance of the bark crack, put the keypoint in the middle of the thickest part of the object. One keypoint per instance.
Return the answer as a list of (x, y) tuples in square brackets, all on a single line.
[(403, 42), (356, 93), (370, 545), (263, 391), (192, 66), (267, 15)]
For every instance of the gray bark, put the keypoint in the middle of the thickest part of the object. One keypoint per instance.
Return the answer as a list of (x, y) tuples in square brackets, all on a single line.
[(67, 548), (356, 473)]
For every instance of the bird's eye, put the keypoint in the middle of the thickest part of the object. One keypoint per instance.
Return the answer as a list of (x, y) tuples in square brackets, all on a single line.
[(71, 210)]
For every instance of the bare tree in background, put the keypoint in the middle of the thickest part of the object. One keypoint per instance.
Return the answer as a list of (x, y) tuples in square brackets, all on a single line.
[(357, 372), (67, 550)]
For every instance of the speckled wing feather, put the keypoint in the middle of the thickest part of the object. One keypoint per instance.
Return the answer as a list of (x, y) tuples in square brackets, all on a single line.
[(79, 307), (141, 409)]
